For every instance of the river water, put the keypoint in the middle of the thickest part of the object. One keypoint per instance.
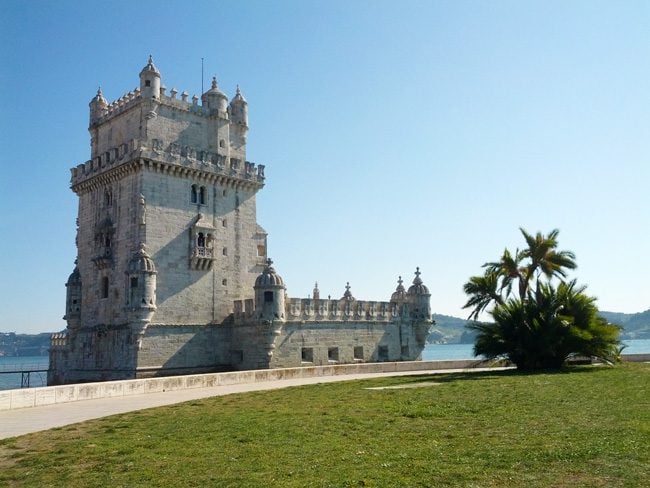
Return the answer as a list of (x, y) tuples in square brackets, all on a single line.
[(432, 352)]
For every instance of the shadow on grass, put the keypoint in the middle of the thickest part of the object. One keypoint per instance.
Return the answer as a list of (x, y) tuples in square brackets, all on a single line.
[(489, 375)]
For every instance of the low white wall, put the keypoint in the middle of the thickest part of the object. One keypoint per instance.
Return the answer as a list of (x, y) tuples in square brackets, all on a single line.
[(48, 395)]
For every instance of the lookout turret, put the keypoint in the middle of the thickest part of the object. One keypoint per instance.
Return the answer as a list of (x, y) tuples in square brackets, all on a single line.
[(150, 80), (214, 98), (239, 109), (269, 294), (73, 300), (98, 107)]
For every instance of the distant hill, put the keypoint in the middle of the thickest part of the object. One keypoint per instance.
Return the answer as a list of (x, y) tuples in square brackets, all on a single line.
[(449, 330), (635, 325), (12, 344)]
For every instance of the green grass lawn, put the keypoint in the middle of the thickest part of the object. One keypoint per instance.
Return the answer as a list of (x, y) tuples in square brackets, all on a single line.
[(586, 426)]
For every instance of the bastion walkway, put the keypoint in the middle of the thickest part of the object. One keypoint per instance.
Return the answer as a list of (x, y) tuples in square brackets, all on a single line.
[(26, 418)]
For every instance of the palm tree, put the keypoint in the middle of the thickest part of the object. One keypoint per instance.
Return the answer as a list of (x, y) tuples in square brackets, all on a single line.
[(543, 325)]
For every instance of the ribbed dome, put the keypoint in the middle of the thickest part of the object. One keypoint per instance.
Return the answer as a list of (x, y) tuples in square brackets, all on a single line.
[(215, 91), (75, 277), (99, 98), (269, 277), (400, 292), (418, 288), (150, 67), (141, 262), (238, 98)]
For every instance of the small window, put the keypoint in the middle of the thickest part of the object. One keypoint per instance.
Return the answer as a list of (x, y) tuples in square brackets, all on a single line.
[(225, 251), (268, 297), (202, 195), (382, 353), (222, 143), (224, 193), (332, 353), (193, 194), (134, 282), (261, 251), (147, 82), (104, 287), (358, 352), (224, 282), (224, 223), (108, 198), (307, 355), (200, 241)]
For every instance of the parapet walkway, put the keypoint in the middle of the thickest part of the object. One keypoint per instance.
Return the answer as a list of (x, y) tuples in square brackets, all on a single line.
[(20, 421)]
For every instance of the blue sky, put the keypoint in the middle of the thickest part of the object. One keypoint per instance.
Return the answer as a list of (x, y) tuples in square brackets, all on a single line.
[(395, 134)]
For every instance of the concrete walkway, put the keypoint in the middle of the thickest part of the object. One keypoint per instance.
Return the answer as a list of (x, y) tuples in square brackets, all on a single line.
[(26, 420)]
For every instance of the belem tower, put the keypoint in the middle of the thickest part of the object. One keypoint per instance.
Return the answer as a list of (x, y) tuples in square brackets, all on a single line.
[(172, 274)]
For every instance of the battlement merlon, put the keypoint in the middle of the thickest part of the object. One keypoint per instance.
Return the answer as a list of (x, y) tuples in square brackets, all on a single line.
[(333, 310), (171, 158)]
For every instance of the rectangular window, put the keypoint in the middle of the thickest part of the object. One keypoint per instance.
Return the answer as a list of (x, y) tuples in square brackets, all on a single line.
[(225, 251), (104, 289), (224, 282), (307, 355), (382, 353), (134, 282), (268, 297), (358, 352), (332, 353)]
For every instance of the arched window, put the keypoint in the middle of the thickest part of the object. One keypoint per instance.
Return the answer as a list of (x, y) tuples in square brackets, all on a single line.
[(202, 195), (193, 195)]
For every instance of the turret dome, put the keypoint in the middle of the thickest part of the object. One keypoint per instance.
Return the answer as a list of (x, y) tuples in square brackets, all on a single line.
[(400, 292), (238, 98), (269, 277), (75, 277), (99, 98), (141, 262), (150, 68), (214, 98), (418, 288)]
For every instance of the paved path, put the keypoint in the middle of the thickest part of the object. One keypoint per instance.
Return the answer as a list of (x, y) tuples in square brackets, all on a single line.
[(26, 420)]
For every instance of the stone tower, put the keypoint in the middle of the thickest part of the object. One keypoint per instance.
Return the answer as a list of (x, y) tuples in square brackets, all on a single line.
[(167, 231)]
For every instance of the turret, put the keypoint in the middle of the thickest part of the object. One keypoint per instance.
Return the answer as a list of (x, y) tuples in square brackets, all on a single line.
[(73, 300), (269, 294), (141, 291), (239, 109), (215, 99), (150, 81), (419, 297), (98, 107)]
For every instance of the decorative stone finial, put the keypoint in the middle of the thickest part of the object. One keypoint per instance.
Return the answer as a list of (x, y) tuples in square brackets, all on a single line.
[(348, 294), (417, 280), (214, 82), (269, 262)]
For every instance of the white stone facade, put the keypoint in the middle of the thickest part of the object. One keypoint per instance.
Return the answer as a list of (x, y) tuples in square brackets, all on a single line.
[(170, 255)]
